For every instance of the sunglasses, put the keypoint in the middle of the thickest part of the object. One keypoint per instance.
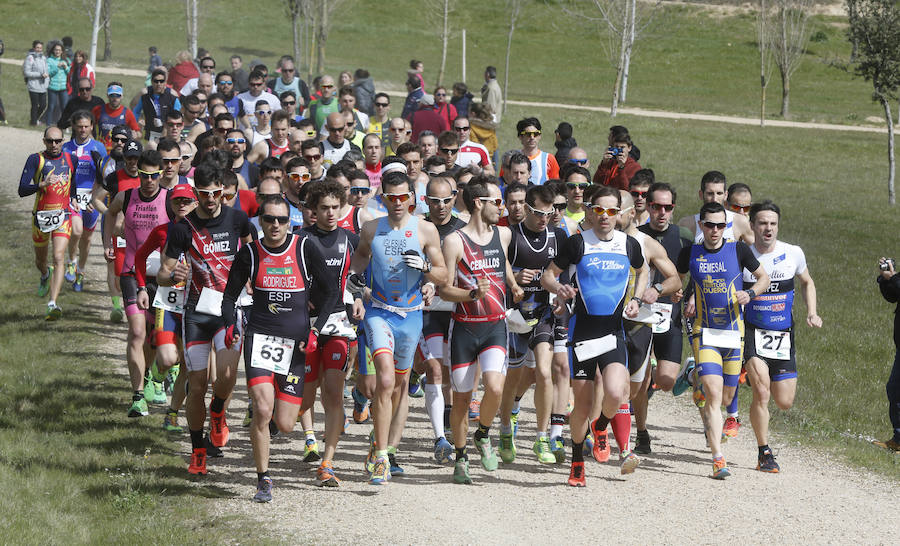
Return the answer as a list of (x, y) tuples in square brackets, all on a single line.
[(310, 133), (226, 82), (336, 129), (449, 151), (182, 201), (359, 190), (559, 207), (715, 225), (326, 86), (288, 70), (439, 200), (601, 211), (271, 219), (228, 195), (195, 113), (171, 160), (396, 197), (532, 134), (382, 104), (440, 94), (235, 140), (208, 67), (658, 207), (578, 161), (84, 88), (210, 194), (263, 112), (577, 185), (120, 140), (258, 84), (297, 177), (495, 200), (397, 129), (539, 213), (186, 157), (313, 157), (152, 175), (288, 103), (466, 128), (638, 194), (53, 140), (739, 208), (159, 81)]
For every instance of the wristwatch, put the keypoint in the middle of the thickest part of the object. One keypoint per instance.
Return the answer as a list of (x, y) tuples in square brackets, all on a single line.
[(142, 288), (658, 287), (637, 299), (473, 294), (752, 293)]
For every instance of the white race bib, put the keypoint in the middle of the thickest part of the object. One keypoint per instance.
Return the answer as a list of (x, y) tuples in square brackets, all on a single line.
[(664, 310), (153, 263), (170, 298), (585, 350), (517, 323), (437, 304), (83, 197), (50, 220), (773, 344), (725, 339), (210, 302), (338, 325), (244, 299), (120, 242), (272, 353)]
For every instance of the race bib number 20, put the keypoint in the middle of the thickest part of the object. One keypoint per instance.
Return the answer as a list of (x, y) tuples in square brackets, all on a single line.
[(50, 220)]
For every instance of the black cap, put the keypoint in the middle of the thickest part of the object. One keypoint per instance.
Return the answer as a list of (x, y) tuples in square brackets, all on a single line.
[(120, 130), (564, 130), (132, 148)]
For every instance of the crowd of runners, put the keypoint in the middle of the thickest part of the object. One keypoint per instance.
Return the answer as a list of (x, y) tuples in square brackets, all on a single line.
[(337, 251)]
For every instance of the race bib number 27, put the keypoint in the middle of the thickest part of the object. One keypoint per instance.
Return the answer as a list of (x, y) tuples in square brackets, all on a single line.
[(773, 344)]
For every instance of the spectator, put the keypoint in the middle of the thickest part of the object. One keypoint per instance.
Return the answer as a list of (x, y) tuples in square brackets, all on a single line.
[(345, 78), (491, 94), (442, 106), (461, 99), (483, 128), (427, 118), (67, 48), (414, 92), (364, 89), (564, 142), (58, 68), (635, 153), (183, 71), (84, 100), (889, 283), (80, 69), (416, 68), (36, 79), (155, 60), (617, 166), (241, 78)]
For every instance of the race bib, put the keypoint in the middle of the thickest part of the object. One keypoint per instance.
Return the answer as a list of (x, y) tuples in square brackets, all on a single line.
[(725, 339), (153, 263), (83, 197), (664, 310), (773, 344), (50, 220), (585, 350), (170, 298), (244, 299), (120, 242), (210, 302), (516, 322), (338, 325), (272, 353)]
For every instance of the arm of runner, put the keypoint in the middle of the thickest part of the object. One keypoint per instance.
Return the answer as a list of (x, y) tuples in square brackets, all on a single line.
[(363, 252), (432, 248), (98, 196), (808, 289), (258, 153), (551, 284), (109, 237), (746, 260), (671, 284), (237, 278), (742, 229), (452, 250), (317, 269), (511, 281), (26, 183), (171, 269)]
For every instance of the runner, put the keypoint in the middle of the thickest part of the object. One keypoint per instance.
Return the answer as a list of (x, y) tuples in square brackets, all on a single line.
[(394, 245), (543, 164), (209, 237), (113, 114), (601, 258), (712, 189), (769, 346), (89, 155), (478, 273), (48, 176), (534, 244), (715, 266)]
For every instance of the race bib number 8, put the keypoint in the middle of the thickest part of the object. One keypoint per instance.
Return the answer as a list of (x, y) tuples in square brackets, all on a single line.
[(83, 197), (50, 220), (773, 344), (272, 353), (170, 299)]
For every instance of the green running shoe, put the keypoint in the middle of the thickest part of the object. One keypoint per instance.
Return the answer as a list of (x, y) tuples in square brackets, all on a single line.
[(507, 448), (558, 448), (488, 457), (117, 314), (138, 408), (70, 272), (170, 422), (44, 286), (461, 472), (53, 312), (514, 423), (541, 448)]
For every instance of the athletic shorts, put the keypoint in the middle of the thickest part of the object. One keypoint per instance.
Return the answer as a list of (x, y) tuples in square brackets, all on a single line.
[(718, 361), (638, 341), (331, 355), (482, 343), (89, 218), (288, 388), (435, 327), (388, 332), (521, 346), (668, 345), (41, 239), (128, 285), (779, 369), (585, 328), (561, 332), (364, 363), (166, 328), (200, 333)]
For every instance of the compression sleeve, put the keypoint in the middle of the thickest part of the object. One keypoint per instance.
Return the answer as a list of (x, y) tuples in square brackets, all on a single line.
[(570, 252), (635, 254), (26, 183), (746, 259), (683, 264), (237, 278)]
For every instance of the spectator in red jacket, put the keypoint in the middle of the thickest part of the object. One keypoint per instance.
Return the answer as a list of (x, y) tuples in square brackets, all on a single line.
[(617, 166), (427, 118), (442, 105), (184, 70)]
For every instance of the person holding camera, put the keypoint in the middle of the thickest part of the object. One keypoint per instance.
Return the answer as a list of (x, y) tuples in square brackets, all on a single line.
[(889, 284), (618, 165)]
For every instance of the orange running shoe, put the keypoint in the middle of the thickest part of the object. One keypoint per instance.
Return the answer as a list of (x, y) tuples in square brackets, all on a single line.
[(198, 462), (731, 428), (601, 444), (576, 475), (218, 428), (720, 469)]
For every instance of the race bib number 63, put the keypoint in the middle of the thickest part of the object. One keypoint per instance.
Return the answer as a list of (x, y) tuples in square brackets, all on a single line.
[(272, 353)]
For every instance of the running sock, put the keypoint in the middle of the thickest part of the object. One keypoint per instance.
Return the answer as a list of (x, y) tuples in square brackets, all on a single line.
[(217, 405), (505, 429), (482, 432), (763, 449), (46, 276), (392, 450), (197, 440), (517, 404), (117, 301), (578, 452), (461, 454), (137, 396), (261, 475), (170, 410), (621, 425), (557, 420), (541, 435), (381, 453), (602, 422), (310, 435), (434, 403), (51, 303)]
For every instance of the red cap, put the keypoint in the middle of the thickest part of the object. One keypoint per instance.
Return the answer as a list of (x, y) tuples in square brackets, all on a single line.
[(183, 190)]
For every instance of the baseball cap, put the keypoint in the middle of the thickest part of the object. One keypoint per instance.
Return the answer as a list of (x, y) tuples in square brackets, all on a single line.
[(120, 130), (132, 148), (182, 190), (427, 100)]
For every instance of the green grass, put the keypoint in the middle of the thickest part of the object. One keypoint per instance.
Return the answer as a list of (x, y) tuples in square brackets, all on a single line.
[(690, 59), (73, 468)]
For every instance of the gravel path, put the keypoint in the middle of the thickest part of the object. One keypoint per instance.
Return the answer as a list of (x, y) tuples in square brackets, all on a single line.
[(814, 499)]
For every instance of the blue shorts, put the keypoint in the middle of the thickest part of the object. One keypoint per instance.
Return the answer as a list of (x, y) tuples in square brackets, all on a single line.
[(89, 219), (388, 332)]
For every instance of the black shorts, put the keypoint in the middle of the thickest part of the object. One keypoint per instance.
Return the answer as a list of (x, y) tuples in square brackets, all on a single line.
[(469, 339), (435, 323), (129, 287), (638, 340), (561, 331), (586, 327), (521, 344), (200, 327), (668, 345), (779, 369), (288, 387)]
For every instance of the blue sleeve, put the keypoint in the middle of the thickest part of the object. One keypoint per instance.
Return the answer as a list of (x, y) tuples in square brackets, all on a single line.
[(139, 108), (177, 105), (26, 183)]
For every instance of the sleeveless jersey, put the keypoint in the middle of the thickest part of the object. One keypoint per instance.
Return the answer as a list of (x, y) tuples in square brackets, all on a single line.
[(672, 241), (275, 150), (55, 196), (235, 108), (773, 308), (533, 250), (482, 261), (602, 274), (280, 295), (727, 235), (393, 282), (716, 277), (538, 169), (141, 216), (85, 165), (350, 221), (336, 248), (106, 121)]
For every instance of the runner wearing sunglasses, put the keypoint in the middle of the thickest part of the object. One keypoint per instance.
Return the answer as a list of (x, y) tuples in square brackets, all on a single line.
[(350, 217), (543, 164), (209, 237), (739, 199), (113, 114)]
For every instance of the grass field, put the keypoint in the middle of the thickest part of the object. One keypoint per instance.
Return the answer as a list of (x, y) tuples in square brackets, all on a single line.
[(690, 59), (73, 468)]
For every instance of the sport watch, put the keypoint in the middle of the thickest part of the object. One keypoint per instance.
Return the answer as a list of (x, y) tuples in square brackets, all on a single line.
[(658, 287), (473, 294)]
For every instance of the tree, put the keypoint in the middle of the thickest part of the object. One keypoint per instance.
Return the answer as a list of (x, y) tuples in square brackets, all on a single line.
[(440, 11), (763, 43), (323, 10), (790, 35), (105, 17), (876, 30), (514, 7), (300, 12), (95, 30), (191, 7)]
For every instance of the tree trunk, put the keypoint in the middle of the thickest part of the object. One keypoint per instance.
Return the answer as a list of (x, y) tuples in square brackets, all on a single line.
[(763, 44), (191, 7), (783, 69), (891, 160), (107, 33), (445, 37), (321, 36), (513, 15), (785, 95), (295, 30), (762, 101), (620, 68), (631, 10), (95, 31)]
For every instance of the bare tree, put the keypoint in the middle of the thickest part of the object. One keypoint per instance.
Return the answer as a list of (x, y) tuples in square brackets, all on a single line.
[(440, 12), (763, 43), (323, 10), (95, 30), (191, 7), (622, 21), (789, 38), (514, 7), (300, 12), (105, 18)]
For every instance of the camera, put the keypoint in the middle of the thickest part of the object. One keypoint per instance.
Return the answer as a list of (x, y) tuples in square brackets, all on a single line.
[(613, 151), (888, 264)]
